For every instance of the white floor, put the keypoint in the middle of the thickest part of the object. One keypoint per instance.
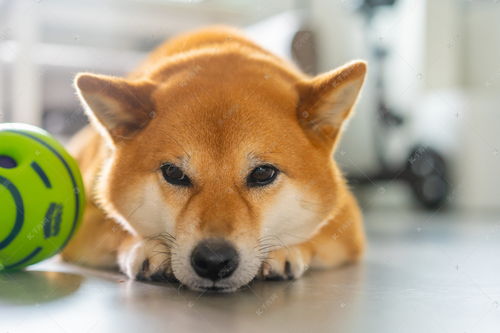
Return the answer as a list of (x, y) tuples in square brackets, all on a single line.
[(422, 273)]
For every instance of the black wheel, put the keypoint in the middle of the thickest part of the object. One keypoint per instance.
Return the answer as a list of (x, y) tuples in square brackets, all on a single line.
[(427, 175)]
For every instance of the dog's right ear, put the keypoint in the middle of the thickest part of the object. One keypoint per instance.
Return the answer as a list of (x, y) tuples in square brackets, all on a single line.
[(327, 100), (117, 106)]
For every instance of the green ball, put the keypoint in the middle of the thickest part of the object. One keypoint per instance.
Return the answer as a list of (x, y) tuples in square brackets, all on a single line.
[(41, 196)]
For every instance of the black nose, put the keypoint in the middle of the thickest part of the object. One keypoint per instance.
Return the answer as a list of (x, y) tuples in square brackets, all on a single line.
[(214, 259)]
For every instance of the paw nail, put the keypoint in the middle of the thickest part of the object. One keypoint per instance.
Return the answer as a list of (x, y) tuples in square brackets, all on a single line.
[(288, 269), (145, 265)]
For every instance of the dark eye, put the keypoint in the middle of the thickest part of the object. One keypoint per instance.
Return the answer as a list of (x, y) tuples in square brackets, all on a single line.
[(174, 175), (262, 175)]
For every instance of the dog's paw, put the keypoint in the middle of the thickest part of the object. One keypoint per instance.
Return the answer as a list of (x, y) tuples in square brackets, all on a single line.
[(284, 264), (147, 260)]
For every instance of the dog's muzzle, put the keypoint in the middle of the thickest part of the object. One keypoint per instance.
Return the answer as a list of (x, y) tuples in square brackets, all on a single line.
[(214, 259)]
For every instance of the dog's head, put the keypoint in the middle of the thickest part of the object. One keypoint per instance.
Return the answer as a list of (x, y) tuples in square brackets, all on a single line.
[(226, 154)]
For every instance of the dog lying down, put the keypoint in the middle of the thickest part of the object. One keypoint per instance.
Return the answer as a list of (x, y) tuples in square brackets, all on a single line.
[(211, 164)]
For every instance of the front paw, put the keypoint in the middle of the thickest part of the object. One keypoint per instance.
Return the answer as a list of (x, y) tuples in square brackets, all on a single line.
[(147, 260), (287, 263)]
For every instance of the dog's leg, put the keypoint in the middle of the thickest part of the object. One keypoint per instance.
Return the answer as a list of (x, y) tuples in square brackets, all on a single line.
[(339, 242), (102, 243), (96, 242), (146, 259)]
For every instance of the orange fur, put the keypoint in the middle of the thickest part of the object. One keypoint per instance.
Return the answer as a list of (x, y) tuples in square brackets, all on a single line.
[(217, 105)]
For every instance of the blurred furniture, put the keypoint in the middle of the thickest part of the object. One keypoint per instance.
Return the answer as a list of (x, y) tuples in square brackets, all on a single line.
[(424, 169)]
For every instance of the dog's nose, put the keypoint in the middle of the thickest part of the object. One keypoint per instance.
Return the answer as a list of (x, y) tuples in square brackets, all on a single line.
[(214, 259)]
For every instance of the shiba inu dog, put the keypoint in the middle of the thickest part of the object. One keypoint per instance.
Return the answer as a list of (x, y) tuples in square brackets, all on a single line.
[(212, 164)]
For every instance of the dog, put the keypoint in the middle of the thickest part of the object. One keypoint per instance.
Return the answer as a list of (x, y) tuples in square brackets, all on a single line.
[(211, 164)]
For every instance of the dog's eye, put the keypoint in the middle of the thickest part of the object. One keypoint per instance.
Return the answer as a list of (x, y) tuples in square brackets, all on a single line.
[(262, 175), (174, 175)]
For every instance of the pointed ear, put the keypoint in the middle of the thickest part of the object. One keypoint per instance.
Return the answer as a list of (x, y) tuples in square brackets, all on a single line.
[(117, 106), (327, 100)]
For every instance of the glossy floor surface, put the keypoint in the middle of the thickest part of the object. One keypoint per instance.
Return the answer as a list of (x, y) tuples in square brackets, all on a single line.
[(422, 273)]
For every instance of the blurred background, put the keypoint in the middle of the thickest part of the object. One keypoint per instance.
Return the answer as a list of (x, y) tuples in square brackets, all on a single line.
[(426, 134)]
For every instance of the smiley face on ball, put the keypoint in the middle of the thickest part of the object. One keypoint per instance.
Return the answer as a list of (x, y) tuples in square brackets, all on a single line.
[(42, 196)]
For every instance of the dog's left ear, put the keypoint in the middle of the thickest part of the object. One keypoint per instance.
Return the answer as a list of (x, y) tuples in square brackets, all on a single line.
[(327, 100), (118, 107)]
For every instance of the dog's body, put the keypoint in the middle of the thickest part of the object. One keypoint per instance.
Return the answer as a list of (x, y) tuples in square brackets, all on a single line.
[(212, 164)]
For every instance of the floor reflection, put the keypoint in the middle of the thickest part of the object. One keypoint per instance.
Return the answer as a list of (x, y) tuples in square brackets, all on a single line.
[(33, 287)]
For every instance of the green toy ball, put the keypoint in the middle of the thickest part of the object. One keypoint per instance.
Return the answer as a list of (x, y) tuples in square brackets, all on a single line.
[(41, 196)]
